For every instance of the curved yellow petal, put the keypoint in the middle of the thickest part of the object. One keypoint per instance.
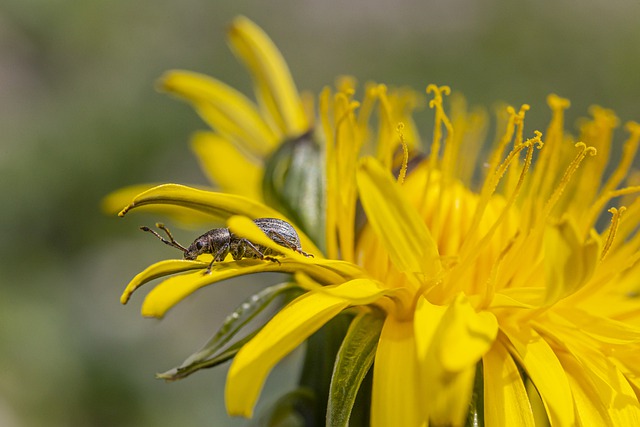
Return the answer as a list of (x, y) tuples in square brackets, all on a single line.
[(600, 389), (605, 330), (287, 330), (274, 85), (226, 166), (157, 270), (506, 402), (173, 290), (219, 205), (396, 399), (113, 203), (590, 407), (450, 340), (464, 335), (395, 221), (535, 355), (569, 262), (223, 108), (358, 291)]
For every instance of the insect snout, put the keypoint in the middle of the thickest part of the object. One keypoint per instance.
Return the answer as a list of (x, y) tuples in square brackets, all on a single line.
[(196, 248)]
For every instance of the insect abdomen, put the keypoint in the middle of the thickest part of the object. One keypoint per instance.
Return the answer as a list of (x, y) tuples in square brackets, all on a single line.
[(277, 230)]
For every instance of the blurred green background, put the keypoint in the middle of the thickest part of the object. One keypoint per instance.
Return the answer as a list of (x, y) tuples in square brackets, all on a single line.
[(79, 117)]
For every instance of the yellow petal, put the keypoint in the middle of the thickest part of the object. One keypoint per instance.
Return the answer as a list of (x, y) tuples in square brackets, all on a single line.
[(542, 366), (600, 389), (449, 401), (157, 270), (219, 206), (600, 328), (274, 85), (173, 290), (225, 165), (506, 402), (287, 330), (359, 291), (113, 203), (225, 109), (569, 262), (395, 221), (450, 342), (590, 408), (396, 398), (464, 335)]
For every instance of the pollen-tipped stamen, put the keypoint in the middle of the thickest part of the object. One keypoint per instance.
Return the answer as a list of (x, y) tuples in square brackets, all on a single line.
[(596, 208), (491, 181), (573, 166), (629, 151), (469, 256), (490, 189), (548, 161), (405, 155), (616, 215)]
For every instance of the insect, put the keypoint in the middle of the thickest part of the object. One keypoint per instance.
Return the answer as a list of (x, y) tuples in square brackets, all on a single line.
[(220, 242)]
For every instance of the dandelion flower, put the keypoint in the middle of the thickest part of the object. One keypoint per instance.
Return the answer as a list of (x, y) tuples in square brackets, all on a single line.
[(492, 286)]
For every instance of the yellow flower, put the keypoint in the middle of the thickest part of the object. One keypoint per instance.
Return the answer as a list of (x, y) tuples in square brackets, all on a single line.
[(496, 269), (244, 133)]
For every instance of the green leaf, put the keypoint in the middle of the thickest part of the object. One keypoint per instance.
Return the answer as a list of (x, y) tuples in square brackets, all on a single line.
[(353, 361), (294, 409), (293, 184), (210, 354), (226, 354), (320, 356), (476, 406)]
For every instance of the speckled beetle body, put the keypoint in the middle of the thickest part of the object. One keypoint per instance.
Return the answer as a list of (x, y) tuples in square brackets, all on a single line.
[(220, 242)]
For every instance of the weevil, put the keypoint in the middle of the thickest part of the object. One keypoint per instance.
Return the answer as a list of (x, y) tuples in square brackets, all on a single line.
[(219, 242)]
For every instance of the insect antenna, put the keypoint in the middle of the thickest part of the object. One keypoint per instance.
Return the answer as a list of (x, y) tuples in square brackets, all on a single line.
[(171, 242)]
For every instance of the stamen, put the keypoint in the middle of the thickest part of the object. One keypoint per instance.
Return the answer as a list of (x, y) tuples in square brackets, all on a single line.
[(405, 155), (598, 132), (492, 179), (596, 208), (490, 287), (365, 111), (628, 153), (309, 108), (496, 155), (336, 115), (519, 137), (440, 120), (615, 222), (386, 139), (346, 152), (469, 256), (575, 164), (547, 164), (490, 186), (346, 84), (324, 105)]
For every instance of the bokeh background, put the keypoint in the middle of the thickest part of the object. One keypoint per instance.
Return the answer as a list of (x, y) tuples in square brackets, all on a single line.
[(79, 117)]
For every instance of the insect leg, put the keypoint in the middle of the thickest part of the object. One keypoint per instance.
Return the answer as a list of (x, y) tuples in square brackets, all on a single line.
[(271, 233), (256, 251), (218, 256)]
